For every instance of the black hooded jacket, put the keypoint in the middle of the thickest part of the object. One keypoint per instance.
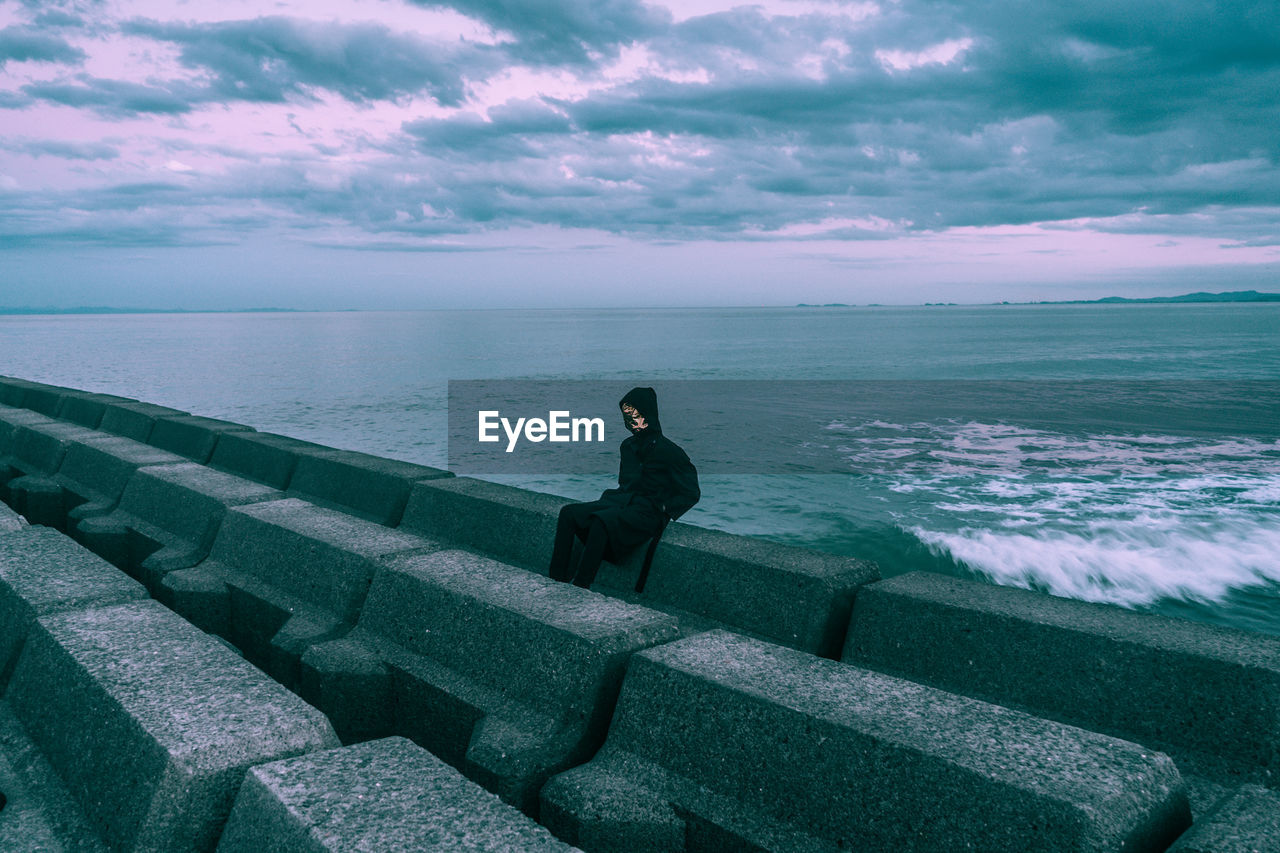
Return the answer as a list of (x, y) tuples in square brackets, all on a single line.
[(656, 480)]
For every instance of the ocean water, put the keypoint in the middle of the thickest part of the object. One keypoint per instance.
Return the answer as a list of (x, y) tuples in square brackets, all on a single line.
[(1155, 487)]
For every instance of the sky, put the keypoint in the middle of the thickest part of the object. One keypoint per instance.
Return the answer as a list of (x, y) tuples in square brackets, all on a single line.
[(381, 154)]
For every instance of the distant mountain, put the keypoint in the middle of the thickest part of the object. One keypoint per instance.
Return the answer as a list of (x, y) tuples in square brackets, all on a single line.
[(1232, 296)]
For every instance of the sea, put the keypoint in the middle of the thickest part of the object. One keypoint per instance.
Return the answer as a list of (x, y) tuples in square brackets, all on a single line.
[(1119, 453)]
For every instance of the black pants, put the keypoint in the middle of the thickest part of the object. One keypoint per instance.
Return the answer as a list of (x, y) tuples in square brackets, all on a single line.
[(576, 521)]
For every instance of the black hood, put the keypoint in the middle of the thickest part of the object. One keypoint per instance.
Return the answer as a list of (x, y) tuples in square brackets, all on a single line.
[(645, 401)]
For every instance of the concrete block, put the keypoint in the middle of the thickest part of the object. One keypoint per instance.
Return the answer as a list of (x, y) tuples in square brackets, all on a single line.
[(11, 419), (191, 436), (383, 795), (85, 408), (10, 521), (794, 596), (41, 572), (150, 723), (133, 419), (262, 456), (282, 576), (517, 526), (80, 407), (11, 422), (167, 519), (721, 742), (11, 391), (506, 675), (37, 453), (1171, 683), (368, 486), (40, 816), (95, 471), (1246, 821), (42, 398)]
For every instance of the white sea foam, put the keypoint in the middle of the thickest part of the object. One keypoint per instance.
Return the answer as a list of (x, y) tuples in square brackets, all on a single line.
[(1133, 566), (1129, 520)]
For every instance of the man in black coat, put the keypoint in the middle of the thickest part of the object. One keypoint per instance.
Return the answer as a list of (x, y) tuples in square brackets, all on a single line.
[(656, 483)]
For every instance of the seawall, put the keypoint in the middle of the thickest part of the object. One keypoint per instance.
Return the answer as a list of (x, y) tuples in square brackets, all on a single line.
[(217, 638)]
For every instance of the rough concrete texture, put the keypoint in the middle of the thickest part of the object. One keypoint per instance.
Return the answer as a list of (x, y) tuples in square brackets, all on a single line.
[(262, 456), (85, 408), (721, 742), (11, 419), (1247, 821), (1168, 682), (41, 572), (42, 398), (151, 723), (12, 422), (10, 521), (284, 575), (40, 816), (191, 436), (37, 453), (12, 389), (507, 675), (386, 795), (167, 519), (368, 486), (41, 446), (794, 596), (517, 526), (94, 473), (133, 419)]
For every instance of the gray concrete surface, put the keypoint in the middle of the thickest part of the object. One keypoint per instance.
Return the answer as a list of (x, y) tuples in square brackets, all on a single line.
[(85, 408), (12, 390), (41, 816), (262, 456), (10, 521), (150, 723), (720, 742), (368, 486), (167, 519), (1246, 821), (385, 796), (284, 575), (38, 451), (794, 596), (39, 397), (43, 571), (1171, 683), (133, 419), (94, 474), (191, 436), (505, 674)]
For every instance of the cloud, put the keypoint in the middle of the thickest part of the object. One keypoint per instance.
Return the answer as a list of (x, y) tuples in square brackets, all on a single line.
[(116, 97), (739, 125), (23, 44), (275, 59), (506, 133), (63, 150), (56, 18), (13, 100), (569, 32)]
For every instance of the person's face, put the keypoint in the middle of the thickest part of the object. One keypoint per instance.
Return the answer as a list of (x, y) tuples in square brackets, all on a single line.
[(633, 419)]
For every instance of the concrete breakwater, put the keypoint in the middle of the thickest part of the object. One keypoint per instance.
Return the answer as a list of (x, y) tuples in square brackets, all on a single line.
[(216, 638)]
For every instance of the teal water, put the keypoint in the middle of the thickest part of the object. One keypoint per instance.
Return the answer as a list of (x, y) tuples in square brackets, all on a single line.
[(1183, 518)]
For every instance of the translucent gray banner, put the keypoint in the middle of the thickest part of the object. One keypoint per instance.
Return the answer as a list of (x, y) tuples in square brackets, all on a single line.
[(818, 426)]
